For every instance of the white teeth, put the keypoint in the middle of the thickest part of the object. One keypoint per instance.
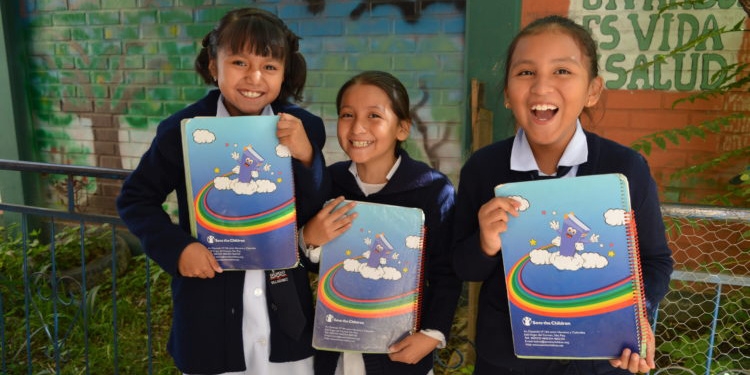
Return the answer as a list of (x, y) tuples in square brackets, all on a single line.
[(361, 143), (543, 107), (250, 94)]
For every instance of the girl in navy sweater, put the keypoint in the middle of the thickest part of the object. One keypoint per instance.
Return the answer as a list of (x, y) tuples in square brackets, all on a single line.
[(233, 322), (374, 119), (551, 78)]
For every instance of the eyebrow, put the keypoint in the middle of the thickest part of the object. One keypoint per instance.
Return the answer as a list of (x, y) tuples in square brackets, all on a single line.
[(556, 61), (375, 106)]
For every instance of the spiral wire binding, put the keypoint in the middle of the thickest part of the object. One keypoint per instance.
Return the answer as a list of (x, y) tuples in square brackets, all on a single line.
[(639, 299), (638, 293), (420, 281)]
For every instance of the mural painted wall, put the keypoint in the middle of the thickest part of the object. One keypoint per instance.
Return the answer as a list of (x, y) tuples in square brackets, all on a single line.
[(641, 101), (103, 73), (631, 35)]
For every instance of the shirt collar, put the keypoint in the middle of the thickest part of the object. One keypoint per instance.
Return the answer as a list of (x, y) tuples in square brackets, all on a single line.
[(372, 188), (576, 152), (221, 109)]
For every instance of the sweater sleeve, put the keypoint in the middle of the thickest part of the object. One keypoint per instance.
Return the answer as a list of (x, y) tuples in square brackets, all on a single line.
[(159, 172), (312, 184), (655, 254), (469, 261), (444, 286)]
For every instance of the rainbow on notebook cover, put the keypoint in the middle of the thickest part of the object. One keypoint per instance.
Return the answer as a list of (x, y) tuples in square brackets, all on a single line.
[(572, 268)]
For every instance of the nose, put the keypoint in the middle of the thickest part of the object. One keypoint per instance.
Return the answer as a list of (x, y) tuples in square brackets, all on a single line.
[(253, 75), (358, 127), (541, 84)]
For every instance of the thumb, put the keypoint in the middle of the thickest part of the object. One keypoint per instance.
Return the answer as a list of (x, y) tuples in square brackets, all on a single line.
[(651, 353), (214, 264), (397, 347)]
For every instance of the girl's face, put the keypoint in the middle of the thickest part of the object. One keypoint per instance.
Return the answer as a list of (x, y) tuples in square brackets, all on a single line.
[(548, 87), (247, 81), (368, 128)]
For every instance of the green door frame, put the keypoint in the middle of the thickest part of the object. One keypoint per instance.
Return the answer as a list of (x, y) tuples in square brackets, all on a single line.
[(14, 124), (490, 27)]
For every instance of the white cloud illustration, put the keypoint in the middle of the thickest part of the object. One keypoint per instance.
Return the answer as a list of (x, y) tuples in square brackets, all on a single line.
[(203, 136), (615, 217)]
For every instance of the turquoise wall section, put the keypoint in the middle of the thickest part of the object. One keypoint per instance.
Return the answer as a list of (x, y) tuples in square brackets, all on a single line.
[(104, 73)]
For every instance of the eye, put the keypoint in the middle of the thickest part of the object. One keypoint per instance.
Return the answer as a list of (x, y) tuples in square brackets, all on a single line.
[(525, 73), (239, 63), (374, 115), (271, 67), (562, 71), (345, 115)]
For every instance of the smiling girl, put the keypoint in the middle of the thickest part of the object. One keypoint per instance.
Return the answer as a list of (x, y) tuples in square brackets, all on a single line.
[(233, 322), (374, 120), (551, 79)]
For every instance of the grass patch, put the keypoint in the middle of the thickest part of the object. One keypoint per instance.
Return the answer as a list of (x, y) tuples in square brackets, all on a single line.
[(71, 329)]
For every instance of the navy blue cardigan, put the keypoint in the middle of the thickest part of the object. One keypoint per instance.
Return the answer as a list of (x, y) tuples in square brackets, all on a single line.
[(489, 167), (414, 184), (206, 335)]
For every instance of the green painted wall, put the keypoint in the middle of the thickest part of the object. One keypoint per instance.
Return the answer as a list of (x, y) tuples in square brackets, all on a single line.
[(490, 27)]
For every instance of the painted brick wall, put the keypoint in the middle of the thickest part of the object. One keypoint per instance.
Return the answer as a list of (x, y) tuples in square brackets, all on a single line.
[(630, 114), (103, 73)]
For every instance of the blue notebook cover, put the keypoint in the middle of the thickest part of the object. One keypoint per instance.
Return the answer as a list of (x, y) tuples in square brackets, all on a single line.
[(572, 268), (241, 190), (370, 281)]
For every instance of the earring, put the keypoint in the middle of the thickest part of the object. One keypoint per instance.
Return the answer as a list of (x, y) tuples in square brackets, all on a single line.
[(507, 105)]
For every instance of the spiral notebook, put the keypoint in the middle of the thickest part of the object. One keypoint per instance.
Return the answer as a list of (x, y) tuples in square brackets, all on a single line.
[(369, 289), (572, 269), (241, 191)]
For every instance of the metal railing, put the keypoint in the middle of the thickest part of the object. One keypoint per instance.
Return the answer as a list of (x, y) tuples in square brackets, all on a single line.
[(701, 324), (53, 308)]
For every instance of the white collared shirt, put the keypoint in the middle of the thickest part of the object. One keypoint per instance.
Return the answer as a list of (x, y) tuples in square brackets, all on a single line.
[(369, 189), (575, 154)]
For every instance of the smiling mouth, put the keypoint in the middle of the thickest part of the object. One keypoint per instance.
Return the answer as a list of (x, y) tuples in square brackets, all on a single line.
[(544, 111), (250, 94), (361, 143)]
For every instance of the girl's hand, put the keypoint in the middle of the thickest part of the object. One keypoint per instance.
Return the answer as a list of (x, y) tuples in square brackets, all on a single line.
[(633, 362), (329, 223), (412, 348), (291, 133), (197, 261), (493, 220)]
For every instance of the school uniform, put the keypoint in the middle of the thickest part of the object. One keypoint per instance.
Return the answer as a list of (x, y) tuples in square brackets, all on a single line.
[(588, 154), (207, 323), (412, 184)]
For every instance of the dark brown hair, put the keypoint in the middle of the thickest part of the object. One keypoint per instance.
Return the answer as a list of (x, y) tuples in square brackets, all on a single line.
[(392, 87), (580, 35), (262, 33)]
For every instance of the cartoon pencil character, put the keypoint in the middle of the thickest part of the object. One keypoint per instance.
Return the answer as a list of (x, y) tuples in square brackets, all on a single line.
[(379, 249), (573, 235), (249, 163)]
